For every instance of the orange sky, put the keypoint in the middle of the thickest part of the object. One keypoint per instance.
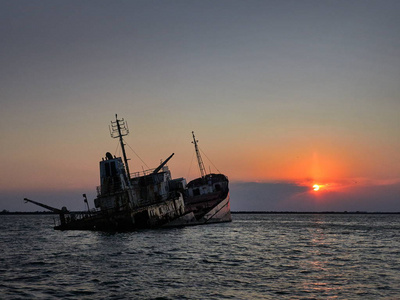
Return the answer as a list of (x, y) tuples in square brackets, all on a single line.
[(273, 91)]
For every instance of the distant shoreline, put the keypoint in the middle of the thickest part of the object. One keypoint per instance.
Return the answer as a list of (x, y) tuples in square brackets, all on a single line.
[(27, 213), (315, 212), (236, 213)]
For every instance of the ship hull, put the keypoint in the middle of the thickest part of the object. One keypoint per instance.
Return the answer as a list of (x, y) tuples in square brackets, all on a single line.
[(219, 213), (146, 217), (139, 219)]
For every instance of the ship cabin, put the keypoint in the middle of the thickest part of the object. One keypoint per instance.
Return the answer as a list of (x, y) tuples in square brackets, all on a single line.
[(112, 193), (156, 186), (117, 193), (112, 175), (210, 186)]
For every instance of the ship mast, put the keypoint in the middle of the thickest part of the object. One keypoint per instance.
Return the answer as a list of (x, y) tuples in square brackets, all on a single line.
[(118, 129), (199, 160)]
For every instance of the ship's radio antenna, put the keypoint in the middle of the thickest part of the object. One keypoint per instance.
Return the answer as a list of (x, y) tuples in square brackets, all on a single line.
[(118, 129), (199, 160)]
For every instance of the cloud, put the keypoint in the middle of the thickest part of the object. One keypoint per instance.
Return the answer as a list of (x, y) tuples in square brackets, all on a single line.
[(368, 196), (290, 196), (266, 196)]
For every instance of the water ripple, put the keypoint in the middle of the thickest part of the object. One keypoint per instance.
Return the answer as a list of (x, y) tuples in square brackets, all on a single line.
[(254, 257)]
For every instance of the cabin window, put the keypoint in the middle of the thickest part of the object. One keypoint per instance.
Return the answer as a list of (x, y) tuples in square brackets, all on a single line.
[(217, 187), (196, 192), (113, 169), (107, 168)]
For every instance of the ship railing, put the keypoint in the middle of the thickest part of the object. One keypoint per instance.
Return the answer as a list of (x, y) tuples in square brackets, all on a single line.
[(142, 173), (76, 215)]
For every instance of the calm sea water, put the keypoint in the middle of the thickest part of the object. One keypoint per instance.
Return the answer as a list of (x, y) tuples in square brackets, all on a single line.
[(278, 256)]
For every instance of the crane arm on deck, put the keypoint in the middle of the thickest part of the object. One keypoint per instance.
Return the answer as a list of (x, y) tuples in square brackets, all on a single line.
[(56, 210), (162, 164)]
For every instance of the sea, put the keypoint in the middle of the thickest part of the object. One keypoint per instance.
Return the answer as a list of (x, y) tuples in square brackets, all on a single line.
[(256, 256)]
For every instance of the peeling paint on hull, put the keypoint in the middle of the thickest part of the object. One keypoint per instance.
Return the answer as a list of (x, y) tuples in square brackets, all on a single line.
[(219, 214)]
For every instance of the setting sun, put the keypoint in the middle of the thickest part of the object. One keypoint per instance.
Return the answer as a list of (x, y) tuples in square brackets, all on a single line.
[(316, 187)]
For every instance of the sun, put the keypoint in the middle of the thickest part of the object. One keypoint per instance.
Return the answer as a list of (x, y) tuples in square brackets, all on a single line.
[(315, 187)]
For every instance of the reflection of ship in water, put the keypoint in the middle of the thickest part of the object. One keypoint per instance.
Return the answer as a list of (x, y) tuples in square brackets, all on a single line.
[(149, 199)]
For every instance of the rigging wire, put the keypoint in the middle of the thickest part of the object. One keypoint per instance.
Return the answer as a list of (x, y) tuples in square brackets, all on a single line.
[(116, 149), (190, 166), (137, 155), (209, 160)]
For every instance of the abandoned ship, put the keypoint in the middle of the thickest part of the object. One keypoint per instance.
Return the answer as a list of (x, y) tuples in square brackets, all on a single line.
[(148, 199)]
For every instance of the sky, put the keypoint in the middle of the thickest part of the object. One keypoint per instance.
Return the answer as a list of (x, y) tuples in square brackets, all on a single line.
[(282, 95)]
